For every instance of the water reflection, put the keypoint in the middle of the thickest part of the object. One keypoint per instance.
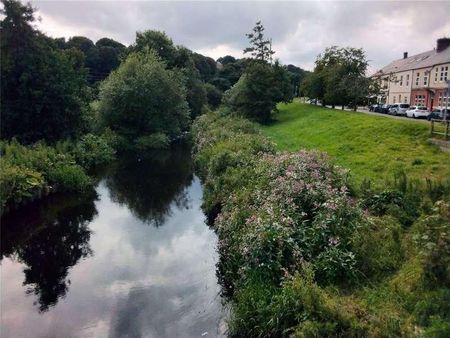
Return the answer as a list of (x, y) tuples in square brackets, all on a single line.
[(48, 239), (96, 269), (149, 185)]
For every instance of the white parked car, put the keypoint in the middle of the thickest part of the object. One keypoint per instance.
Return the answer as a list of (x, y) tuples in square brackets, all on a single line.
[(398, 109), (417, 112)]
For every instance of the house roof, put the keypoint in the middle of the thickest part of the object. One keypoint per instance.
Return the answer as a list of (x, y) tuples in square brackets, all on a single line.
[(422, 60)]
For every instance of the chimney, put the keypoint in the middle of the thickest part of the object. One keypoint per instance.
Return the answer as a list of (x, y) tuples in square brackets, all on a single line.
[(405, 55), (442, 44)]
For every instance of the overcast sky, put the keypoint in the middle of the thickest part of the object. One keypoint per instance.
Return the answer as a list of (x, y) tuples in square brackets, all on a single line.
[(300, 30)]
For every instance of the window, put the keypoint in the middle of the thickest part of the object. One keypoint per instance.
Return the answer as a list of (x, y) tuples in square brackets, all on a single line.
[(407, 80), (405, 100), (444, 74), (417, 79), (442, 99), (425, 80), (420, 100), (399, 98), (401, 81), (436, 75)]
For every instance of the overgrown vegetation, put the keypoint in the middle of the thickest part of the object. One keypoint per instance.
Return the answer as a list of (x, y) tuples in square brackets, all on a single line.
[(301, 255), (30, 172)]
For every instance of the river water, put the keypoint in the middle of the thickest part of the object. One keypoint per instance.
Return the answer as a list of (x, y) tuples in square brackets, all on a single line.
[(132, 258)]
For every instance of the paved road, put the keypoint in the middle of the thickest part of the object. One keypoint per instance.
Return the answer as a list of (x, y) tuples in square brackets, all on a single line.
[(366, 111)]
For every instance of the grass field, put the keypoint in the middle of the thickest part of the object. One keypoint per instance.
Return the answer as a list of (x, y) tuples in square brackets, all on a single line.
[(372, 147)]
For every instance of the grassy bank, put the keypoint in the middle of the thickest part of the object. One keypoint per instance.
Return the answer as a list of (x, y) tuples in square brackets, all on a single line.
[(30, 172), (300, 256), (371, 147)]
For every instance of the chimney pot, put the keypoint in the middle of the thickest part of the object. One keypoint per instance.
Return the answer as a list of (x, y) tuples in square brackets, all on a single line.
[(442, 44), (405, 55)]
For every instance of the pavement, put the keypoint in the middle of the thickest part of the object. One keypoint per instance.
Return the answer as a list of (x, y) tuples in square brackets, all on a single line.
[(365, 110)]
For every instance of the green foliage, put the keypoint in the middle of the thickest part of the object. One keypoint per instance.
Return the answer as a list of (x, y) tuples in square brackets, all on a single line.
[(17, 183), (91, 150), (339, 77), (258, 91), (70, 177), (432, 236), (26, 170), (100, 58), (297, 256), (196, 95), (206, 66), (142, 98), (160, 43), (43, 88), (213, 95), (260, 48), (153, 141)]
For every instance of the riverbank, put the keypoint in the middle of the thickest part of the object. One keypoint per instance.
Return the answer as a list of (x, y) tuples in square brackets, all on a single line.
[(31, 172), (302, 255)]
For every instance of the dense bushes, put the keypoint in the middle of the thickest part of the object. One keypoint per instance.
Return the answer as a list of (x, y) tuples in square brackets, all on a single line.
[(28, 171), (301, 256)]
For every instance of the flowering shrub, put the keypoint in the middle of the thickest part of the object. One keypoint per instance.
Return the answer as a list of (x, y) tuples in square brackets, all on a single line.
[(299, 212), (288, 228), (275, 211)]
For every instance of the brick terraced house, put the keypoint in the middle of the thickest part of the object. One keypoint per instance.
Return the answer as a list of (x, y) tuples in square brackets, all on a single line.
[(419, 79)]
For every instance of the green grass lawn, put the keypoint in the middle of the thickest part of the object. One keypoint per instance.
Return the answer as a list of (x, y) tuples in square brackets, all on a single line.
[(372, 147)]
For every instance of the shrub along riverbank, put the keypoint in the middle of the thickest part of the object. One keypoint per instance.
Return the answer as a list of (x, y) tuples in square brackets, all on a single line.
[(30, 172), (302, 255)]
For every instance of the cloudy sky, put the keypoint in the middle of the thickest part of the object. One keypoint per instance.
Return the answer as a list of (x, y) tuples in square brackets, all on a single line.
[(300, 30)]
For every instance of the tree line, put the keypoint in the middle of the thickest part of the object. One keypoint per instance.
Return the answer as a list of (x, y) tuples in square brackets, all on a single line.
[(55, 89)]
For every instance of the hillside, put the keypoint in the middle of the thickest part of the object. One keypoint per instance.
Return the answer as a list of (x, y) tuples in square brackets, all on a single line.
[(372, 147)]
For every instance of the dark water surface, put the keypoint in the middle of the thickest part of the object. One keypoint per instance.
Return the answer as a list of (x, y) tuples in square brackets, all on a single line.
[(133, 258)]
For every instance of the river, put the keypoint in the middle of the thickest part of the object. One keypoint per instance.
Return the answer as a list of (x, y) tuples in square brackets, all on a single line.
[(131, 258)]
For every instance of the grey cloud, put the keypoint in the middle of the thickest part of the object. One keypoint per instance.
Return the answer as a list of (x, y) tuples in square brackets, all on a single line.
[(300, 30)]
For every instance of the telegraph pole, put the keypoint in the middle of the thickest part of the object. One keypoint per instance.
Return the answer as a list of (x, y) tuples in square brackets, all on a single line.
[(446, 101)]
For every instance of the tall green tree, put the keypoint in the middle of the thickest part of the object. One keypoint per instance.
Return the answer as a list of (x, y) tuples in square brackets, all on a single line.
[(260, 48), (143, 102), (175, 57), (43, 91), (339, 76), (258, 91)]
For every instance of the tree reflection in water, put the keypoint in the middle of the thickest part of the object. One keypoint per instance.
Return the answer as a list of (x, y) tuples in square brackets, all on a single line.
[(149, 185), (49, 238)]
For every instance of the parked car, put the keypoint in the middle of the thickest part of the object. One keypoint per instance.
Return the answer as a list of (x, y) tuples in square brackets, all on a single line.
[(384, 109), (438, 114), (373, 107), (417, 112), (314, 101), (399, 109)]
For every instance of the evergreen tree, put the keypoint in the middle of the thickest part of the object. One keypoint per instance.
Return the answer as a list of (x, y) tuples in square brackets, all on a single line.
[(260, 49)]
